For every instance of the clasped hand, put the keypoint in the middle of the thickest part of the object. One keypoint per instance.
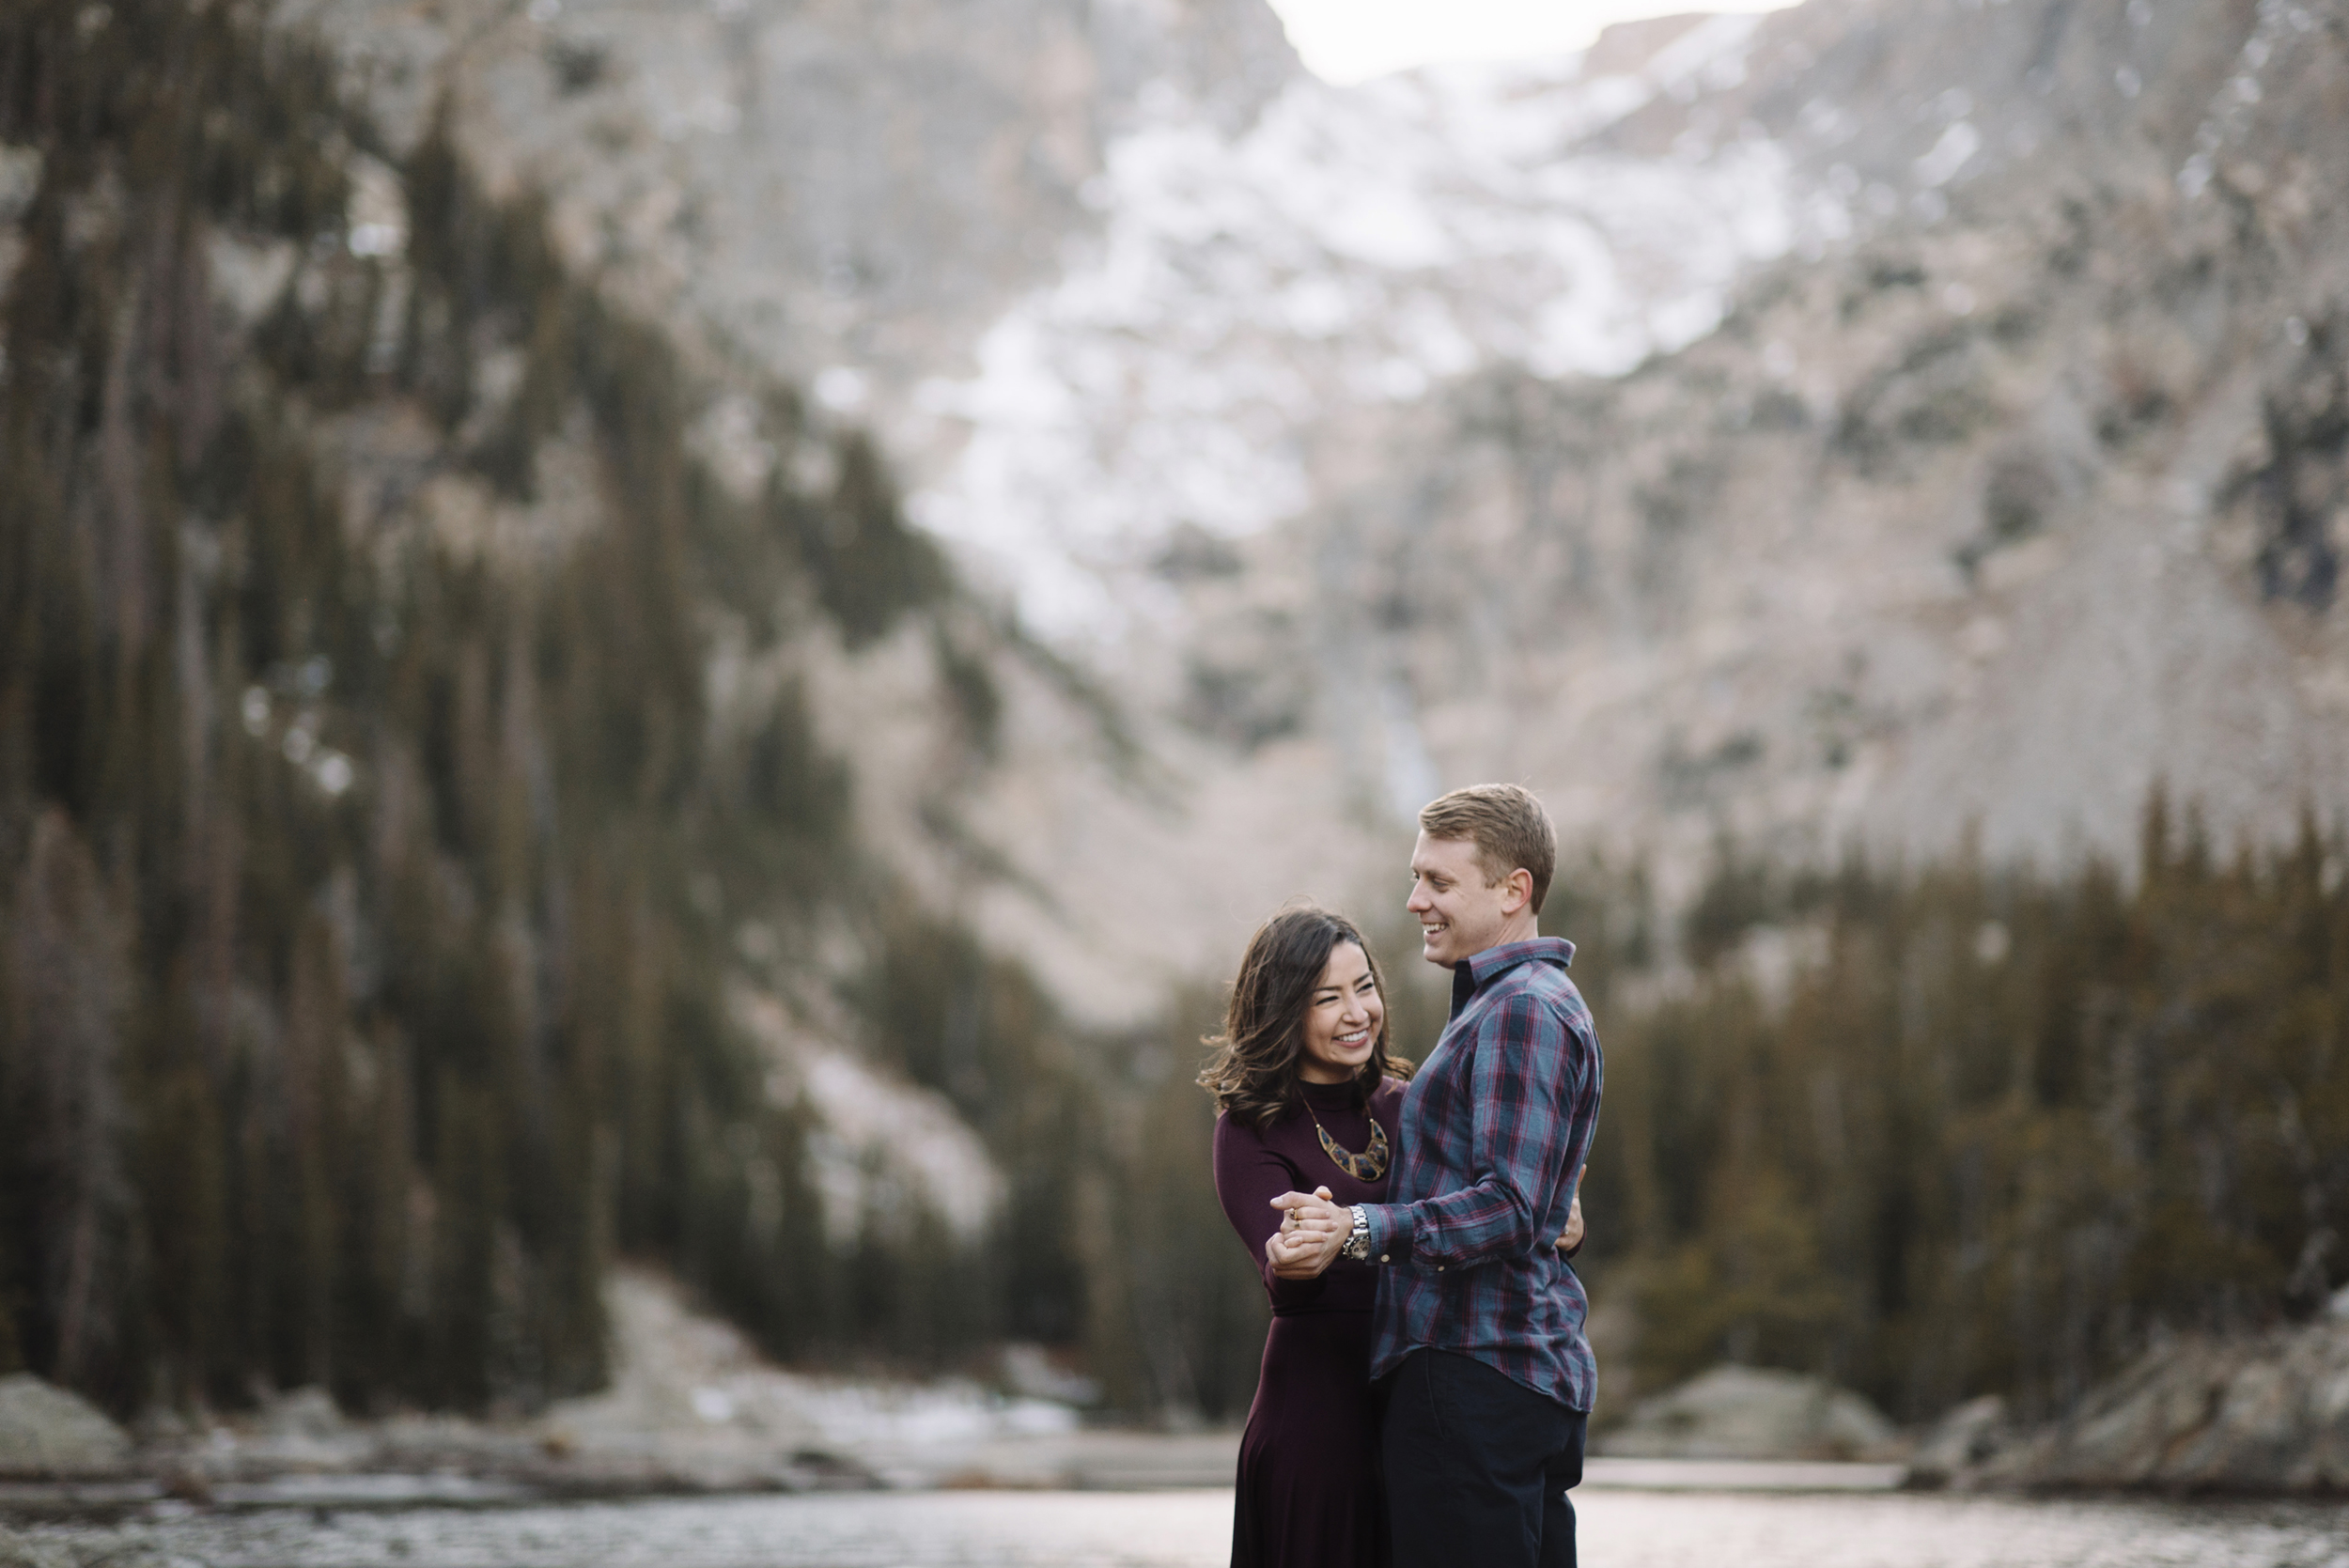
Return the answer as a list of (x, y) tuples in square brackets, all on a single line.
[(1312, 1228)]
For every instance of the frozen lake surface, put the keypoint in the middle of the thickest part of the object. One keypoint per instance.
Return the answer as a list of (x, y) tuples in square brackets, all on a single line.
[(1621, 1528)]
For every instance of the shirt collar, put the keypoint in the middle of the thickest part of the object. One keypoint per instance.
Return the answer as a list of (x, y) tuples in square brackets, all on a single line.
[(1472, 974)]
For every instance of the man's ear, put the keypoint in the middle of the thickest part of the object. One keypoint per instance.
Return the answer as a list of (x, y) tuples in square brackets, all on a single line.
[(1516, 891)]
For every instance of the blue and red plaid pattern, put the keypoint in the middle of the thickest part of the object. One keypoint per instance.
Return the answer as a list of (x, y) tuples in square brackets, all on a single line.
[(1494, 1128)]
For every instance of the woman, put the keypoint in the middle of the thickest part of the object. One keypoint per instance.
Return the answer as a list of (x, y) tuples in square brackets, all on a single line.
[(1307, 1095)]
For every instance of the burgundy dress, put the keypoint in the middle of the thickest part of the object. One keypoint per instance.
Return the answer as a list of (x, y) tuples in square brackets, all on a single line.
[(1308, 1491)]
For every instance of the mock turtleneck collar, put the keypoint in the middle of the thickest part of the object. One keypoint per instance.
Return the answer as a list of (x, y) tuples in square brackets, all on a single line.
[(1327, 1097)]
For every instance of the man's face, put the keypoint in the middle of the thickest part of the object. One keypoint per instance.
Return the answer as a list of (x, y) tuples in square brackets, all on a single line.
[(1460, 915)]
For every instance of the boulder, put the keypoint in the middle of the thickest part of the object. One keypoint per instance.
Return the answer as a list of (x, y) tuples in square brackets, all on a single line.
[(2262, 1414), (303, 1431), (1960, 1440), (46, 1549), (46, 1432), (1734, 1412)]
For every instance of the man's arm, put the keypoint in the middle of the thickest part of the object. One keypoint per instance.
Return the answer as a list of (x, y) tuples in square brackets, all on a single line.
[(1570, 1240), (1525, 1086), (1524, 1079)]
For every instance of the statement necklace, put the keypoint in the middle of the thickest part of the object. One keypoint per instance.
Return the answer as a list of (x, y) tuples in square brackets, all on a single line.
[(1368, 1166)]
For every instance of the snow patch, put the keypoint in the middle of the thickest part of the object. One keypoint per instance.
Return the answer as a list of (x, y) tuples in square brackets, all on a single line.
[(1353, 246), (882, 1151), (1955, 148), (856, 1415), (882, 1143)]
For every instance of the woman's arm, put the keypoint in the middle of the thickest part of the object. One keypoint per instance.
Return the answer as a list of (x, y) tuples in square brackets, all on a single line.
[(1248, 1176)]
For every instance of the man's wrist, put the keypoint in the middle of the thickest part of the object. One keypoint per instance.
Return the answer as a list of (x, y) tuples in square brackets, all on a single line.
[(1357, 1243), (1384, 1233)]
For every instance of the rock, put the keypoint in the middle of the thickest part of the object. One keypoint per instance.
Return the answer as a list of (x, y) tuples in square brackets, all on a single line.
[(2268, 1415), (24, 1549), (1961, 1439), (303, 1432), (1029, 1371), (309, 1412), (1734, 1412), (46, 1432), (691, 1404)]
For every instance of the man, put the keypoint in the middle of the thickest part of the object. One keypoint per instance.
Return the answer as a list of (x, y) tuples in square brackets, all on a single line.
[(1479, 1347)]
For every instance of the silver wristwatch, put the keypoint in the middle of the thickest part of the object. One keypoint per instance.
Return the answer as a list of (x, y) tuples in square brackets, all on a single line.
[(1357, 1244)]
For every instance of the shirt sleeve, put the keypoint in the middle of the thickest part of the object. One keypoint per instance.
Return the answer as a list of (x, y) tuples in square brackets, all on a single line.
[(1527, 1073), (1248, 1176)]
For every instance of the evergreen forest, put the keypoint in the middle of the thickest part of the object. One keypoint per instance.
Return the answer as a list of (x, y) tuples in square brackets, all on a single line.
[(371, 896), (371, 892), (1980, 1130)]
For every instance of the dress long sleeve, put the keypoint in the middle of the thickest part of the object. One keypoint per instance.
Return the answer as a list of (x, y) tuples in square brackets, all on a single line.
[(1248, 1174), (1255, 1166)]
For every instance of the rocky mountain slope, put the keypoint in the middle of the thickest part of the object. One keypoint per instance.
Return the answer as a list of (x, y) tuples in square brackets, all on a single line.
[(845, 197), (1862, 422), (2025, 497)]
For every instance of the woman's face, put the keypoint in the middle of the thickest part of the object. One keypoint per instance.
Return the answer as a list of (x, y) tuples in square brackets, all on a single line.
[(1342, 1018)]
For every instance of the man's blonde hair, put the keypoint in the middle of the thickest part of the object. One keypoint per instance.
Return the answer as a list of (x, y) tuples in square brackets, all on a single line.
[(1509, 827)]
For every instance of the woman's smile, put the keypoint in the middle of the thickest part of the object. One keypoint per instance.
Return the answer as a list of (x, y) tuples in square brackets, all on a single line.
[(1343, 1019)]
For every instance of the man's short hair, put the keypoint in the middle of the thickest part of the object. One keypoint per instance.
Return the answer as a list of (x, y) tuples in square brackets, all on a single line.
[(1509, 827)]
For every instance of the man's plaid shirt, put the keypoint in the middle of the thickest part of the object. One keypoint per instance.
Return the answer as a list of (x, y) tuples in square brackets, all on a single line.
[(1494, 1128)]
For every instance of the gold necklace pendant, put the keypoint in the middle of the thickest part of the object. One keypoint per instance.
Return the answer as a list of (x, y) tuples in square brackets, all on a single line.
[(1369, 1165)]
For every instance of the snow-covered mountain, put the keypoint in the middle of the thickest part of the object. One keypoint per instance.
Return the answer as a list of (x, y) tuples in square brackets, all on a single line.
[(1344, 248)]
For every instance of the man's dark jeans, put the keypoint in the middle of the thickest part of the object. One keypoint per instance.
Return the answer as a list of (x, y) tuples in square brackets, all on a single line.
[(1477, 1467)]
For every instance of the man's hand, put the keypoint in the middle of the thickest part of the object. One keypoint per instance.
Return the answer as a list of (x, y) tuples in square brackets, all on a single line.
[(1312, 1228), (1570, 1240)]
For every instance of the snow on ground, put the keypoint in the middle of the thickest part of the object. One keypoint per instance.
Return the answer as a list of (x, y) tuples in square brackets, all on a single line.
[(1353, 246), (692, 1393), (881, 1149), (873, 1128)]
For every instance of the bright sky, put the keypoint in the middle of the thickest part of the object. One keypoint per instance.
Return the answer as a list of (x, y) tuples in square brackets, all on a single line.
[(1351, 40)]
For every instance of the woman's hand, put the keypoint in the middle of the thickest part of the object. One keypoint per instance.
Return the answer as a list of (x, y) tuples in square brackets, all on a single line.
[(1312, 1231)]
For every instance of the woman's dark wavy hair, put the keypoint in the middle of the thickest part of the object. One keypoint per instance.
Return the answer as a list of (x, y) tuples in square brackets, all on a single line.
[(1252, 1074)]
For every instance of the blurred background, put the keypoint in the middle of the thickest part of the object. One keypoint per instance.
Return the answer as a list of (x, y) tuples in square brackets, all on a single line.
[(655, 654)]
